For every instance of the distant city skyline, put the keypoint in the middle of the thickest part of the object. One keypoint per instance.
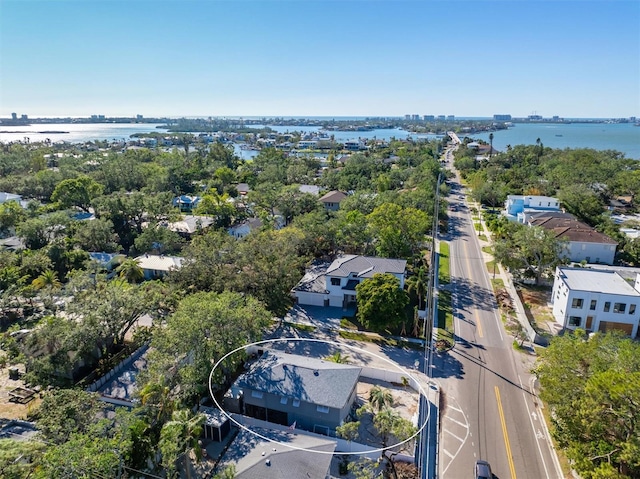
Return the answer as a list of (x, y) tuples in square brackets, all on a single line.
[(351, 58)]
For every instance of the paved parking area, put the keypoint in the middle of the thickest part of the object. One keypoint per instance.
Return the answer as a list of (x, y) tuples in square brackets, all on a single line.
[(318, 316)]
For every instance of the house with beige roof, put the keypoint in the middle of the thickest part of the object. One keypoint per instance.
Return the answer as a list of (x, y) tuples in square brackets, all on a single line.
[(331, 200), (156, 266)]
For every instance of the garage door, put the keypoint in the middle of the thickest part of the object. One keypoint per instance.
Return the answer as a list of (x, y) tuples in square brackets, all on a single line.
[(311, 299), (611, 326)]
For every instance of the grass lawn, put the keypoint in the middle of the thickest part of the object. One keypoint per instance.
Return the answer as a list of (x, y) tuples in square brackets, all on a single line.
[(445, 311), (347, 324), (497, 283), (301, 327)]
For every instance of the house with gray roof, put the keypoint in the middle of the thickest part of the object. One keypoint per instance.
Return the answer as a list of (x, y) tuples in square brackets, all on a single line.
[(287, 389), (255, 457), (335, 284)]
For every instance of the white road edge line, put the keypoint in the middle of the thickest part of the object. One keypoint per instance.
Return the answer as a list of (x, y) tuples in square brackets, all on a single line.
[(524, 397), (554, 456)]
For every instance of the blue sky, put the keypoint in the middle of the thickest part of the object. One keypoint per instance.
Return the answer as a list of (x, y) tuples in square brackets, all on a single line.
[(320, 58)]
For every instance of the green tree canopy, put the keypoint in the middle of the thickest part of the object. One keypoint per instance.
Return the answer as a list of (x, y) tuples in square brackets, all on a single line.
[(77, 192), (592, 386), (530, 252), (381, 302), (204, 328)]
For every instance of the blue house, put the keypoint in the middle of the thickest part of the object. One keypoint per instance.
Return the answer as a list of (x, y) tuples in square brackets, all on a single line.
[(186, 203), (313, 394)]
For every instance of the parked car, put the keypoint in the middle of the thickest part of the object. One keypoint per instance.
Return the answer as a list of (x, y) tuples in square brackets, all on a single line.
[(482, 470)]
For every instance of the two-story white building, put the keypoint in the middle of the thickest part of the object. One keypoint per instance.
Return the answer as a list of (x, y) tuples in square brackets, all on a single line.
[(517, 205), (595, 300), (335, 284), (583, 243)]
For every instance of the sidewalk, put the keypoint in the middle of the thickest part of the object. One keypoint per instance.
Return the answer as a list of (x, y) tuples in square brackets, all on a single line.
[(507, 279)]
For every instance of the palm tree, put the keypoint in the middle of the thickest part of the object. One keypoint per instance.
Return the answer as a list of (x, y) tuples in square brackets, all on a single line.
[(540, 147), (157, 396), (179, 437), (491, 145), (418, 284), (380, 398), (337, 357), (130, 270), (47, 280)]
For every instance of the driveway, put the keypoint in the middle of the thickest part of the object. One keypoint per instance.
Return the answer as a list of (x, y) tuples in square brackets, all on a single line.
[(318, 316)]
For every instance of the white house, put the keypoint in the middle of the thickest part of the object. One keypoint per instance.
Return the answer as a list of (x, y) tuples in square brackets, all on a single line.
[(335, 284), (595, 300), (583, 242), (517, 205), (156, 266)]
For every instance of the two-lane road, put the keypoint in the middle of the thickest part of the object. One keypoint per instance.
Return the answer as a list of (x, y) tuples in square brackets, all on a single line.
[(489, 410)]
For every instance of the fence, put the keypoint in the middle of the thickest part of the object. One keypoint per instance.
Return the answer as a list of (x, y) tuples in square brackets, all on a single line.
[(96, 385)]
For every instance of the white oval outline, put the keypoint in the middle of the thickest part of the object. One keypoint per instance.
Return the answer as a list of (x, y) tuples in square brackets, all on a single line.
[(334, 343)]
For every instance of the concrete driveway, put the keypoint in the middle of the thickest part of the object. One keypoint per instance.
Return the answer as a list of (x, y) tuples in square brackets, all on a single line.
[(318, 316)]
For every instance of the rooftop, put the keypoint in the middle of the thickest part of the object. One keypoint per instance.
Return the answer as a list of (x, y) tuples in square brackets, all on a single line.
[(333, 197), (567, 226), (365, 266), (597, 281), (256, 458), (159, 263), (308, 379)]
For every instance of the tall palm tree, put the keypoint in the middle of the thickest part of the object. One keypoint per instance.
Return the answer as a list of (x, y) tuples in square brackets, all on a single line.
[(491, 145), (380, 398), (130, 270), (418, 284)]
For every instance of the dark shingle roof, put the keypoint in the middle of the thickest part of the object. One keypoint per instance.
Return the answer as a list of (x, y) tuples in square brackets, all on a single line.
[(315, 381)]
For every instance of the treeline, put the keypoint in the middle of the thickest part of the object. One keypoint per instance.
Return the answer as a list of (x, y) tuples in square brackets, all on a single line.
[(584, 180), (225, 294)]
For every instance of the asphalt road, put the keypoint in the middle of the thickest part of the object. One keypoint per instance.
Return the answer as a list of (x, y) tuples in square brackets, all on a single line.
[(489, 411)]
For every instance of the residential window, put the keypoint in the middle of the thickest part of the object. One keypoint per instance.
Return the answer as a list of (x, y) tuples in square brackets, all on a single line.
[(592, 307), (619, 307), (323, 409), (335, 281), (607, 306), (257, 394), (577, 303), (632, 308), (296, 403), (283, 400), (575, 320)]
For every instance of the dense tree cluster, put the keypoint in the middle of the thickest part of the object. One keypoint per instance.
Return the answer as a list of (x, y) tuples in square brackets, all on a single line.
[(584, 180), (81, 315), (592, 385)]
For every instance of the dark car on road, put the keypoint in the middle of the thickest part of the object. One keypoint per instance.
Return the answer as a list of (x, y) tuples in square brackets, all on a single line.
[(482, 470)]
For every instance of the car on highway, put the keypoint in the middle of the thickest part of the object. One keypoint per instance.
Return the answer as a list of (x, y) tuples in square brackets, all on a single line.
[(482, 470)]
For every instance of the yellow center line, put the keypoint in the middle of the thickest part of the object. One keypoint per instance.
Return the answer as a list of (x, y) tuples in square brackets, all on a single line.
[(475, 311), (506, 436)]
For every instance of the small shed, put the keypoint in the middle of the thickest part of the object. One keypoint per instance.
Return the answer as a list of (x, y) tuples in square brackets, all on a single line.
[(216, 425)]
